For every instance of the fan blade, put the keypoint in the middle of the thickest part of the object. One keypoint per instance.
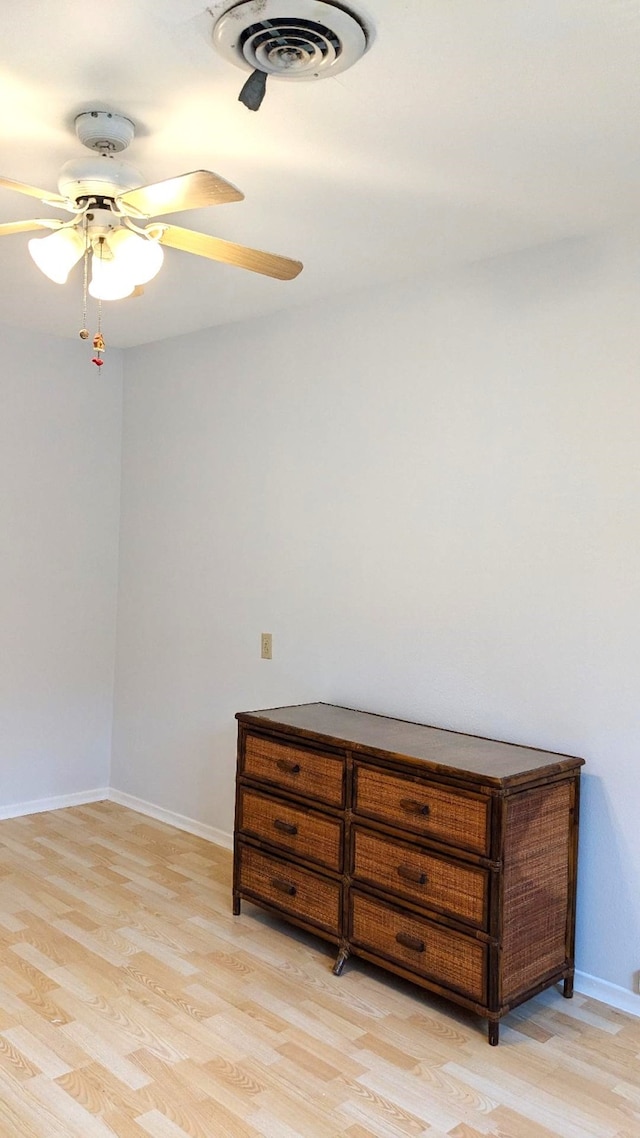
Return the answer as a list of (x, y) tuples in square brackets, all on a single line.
[(7, 227), (32, 191), (187, 191), (282, 268)]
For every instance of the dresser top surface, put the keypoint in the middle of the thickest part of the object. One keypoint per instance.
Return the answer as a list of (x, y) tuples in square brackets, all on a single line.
[(435, 747)]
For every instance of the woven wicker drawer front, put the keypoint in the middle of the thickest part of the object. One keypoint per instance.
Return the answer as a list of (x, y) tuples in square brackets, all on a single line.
[(311, 773), (298, 829), (459, 890), (289, 887), (428, 809), (448, 958)]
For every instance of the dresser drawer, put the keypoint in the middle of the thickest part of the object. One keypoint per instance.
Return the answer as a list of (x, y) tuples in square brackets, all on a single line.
[(314, 774), (298, 829), (297, 891), (441, 955), (458, 818), (459, 890)]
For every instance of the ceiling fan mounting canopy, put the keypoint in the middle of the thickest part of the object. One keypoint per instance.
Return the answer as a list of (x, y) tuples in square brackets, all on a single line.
[(104, 131)]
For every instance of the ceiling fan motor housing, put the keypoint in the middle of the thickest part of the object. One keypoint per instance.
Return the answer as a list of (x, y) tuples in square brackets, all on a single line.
[(97, 177), (291, 39)]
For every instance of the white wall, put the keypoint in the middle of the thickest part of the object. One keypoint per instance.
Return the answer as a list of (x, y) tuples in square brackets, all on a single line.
[(430, 496), (60, 430)]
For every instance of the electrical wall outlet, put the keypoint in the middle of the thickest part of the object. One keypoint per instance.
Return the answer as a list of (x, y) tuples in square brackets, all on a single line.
[(265, 645)]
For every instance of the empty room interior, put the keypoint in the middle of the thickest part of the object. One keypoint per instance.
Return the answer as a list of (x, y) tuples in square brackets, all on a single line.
[(319, 569)]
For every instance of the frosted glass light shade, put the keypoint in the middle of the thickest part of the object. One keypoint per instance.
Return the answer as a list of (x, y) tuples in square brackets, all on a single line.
[(108, 281), (139, 257), (56, 254)]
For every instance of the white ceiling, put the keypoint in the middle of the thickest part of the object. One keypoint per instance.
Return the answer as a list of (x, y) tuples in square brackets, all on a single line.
[(470, 128)]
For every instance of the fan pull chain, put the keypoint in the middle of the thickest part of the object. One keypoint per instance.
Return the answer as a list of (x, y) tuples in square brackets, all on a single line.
[(98, 339), (84, 331)]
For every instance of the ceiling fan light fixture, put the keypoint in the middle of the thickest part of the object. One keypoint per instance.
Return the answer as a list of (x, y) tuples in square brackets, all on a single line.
[(105, 195), (139, 258), (108, 280), (56, 254)]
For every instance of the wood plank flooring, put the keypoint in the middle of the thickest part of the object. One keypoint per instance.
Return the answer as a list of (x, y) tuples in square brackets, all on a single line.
[(133, 1003)]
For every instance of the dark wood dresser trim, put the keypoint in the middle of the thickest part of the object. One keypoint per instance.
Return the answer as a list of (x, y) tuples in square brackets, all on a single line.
[(490, 761)]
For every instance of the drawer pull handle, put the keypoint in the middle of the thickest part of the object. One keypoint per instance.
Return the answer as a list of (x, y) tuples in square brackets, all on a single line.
[(285, 827), (288, 766), (283, 886), (410, 806), (413, 875), (412, 942)]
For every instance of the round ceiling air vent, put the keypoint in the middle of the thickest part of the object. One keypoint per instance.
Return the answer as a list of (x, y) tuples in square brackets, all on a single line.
[(290, 39)]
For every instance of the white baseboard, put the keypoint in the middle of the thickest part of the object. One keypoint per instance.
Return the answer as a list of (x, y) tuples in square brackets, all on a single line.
[(107, 793), (612, 994), (59, 802), (210, 833)]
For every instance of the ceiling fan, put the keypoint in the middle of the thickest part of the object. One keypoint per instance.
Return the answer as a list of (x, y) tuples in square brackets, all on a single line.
[(113, 216)]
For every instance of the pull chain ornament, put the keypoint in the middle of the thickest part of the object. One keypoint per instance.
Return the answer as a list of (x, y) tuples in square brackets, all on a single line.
[(98, 340)]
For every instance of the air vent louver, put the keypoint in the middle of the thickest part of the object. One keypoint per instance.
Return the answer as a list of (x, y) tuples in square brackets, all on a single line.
[(293, 39)]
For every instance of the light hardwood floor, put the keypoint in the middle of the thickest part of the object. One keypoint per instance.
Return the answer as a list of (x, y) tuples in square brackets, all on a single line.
[(133, 1003)]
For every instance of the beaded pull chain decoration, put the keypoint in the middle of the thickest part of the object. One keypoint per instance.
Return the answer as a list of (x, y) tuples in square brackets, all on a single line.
[(98, 339)]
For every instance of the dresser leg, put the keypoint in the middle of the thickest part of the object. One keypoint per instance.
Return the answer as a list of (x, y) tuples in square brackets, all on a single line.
[(494, 1033), (567, 987), (236, 904), (343, 956)]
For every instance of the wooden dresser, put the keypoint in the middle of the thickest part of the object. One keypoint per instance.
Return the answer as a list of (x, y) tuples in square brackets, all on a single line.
[(448, 859)]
